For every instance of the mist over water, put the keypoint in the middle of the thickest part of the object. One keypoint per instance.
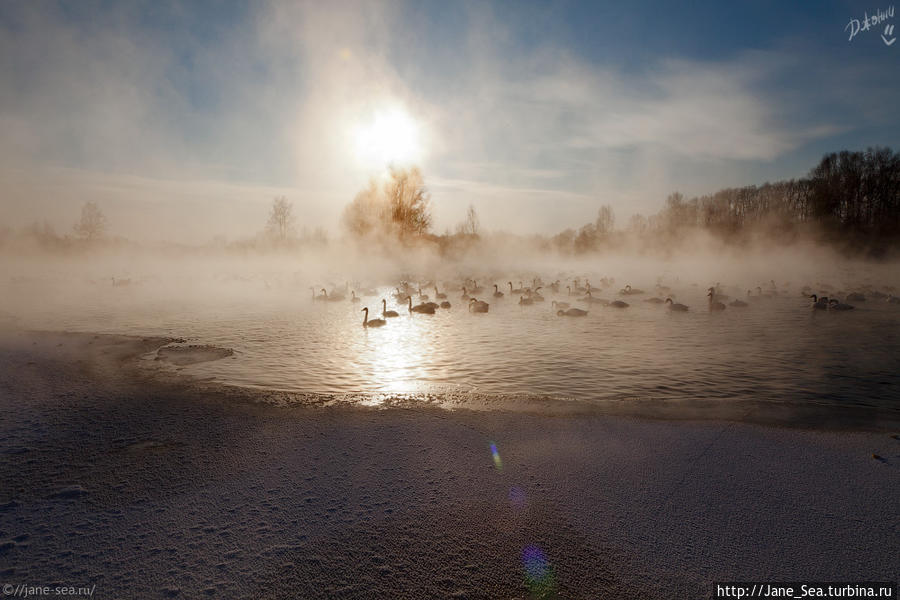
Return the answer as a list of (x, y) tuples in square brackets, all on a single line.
[(777, 349)]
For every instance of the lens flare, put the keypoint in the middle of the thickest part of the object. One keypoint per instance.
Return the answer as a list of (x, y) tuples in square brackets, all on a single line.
[(538, 572), (497, 462)]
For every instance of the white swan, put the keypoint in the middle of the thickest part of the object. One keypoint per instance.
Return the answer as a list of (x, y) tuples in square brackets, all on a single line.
[(373, 322), (572, 312), (425, 309), (618, 304), (518, 290), (385, 312), (478, 306), (439, 295), (497, 292), (560, 305), (676, 306), (713, 303), (819, 303), (835, 304), (353, 297), (591, 300)]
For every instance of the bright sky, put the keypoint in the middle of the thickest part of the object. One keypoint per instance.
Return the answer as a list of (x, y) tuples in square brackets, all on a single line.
[(184, 119)]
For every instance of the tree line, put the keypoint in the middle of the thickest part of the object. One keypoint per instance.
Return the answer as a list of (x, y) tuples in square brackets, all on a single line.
[(847, 193), (850, 198)]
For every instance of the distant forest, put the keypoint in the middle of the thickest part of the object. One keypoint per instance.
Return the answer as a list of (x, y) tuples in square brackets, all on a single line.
[(849, 198)]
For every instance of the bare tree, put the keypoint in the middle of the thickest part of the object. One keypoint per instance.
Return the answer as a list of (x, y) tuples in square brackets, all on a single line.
[(399, 208), (638, 223), (281, 219), (92, 224), (471, 225), (606, 220)]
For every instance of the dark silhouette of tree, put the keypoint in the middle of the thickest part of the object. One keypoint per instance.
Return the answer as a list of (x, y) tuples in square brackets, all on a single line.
[(281, 219), (92, 224), (847, 193), (853, 197), (399, 208)]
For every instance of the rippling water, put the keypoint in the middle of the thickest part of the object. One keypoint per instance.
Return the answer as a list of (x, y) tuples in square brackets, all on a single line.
[(774, 350)]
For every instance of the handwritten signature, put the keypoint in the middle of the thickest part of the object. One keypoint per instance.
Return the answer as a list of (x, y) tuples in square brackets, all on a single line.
[(870, 22)]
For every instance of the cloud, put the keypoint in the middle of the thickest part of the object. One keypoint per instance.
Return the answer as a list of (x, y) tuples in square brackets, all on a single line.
[(265, 101)]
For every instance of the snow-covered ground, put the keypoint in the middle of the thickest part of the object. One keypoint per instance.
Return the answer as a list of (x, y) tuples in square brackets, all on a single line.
[(153, 487)]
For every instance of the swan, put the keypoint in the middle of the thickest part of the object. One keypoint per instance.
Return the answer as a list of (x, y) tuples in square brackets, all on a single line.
[(629, 291), (560, 305), (353, 297), (591, 300), (834, 304), (439, 295), (713, 303), (738, 303), (425, 309), (819, 303), (373, 322), (856, 297), (445, 304), (385, 312), (572, 312), (333, 297), (465, 295), (475, 287), (518, 290), (555, 286), (536, 296), (655, 300), (618, 304), (497, 292), (717, 290), (676, 306), (525, 301), (422, 297), (478, 306)]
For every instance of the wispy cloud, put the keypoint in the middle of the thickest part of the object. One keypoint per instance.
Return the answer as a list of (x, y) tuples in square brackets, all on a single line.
[(269, 101)]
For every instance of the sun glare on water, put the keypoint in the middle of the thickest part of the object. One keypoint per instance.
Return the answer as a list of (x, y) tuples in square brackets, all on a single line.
[(388, 137)]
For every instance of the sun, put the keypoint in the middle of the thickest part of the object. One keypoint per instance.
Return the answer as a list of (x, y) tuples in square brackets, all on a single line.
[(388, 137)]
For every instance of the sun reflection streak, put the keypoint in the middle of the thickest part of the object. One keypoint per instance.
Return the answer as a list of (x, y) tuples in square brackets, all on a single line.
[(398, 358)]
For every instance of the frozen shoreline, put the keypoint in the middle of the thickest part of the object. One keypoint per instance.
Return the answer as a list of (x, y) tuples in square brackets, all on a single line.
[(154, 488)]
